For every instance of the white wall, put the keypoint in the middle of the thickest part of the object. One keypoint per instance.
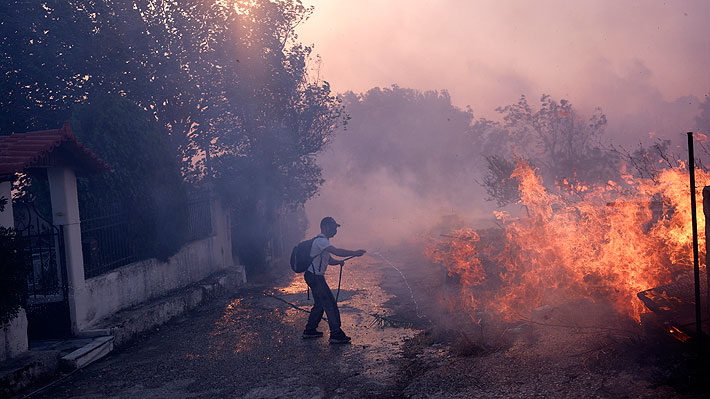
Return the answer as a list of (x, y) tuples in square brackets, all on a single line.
[(141, 281), (6, 217), (13, 336)]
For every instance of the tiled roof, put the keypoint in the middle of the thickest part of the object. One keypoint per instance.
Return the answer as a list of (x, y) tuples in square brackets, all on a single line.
[(19, 151)]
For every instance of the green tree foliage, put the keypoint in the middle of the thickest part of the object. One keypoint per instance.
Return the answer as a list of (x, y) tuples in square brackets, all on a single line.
[(263, 152), (146, 182), (57, 53), (227, 80), (13, 284)]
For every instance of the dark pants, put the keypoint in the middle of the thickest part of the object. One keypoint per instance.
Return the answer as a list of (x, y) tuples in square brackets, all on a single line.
[(324, 301)]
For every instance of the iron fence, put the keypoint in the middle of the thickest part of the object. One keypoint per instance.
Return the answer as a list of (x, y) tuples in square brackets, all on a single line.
[(42, 245), (105, 242), (43, 249), (199, 216)]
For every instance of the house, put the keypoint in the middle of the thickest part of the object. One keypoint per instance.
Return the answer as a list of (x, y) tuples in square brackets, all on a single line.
[(74, 284)]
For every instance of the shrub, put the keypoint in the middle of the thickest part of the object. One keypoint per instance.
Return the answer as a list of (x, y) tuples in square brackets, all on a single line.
[(146, 182), (13, 284)]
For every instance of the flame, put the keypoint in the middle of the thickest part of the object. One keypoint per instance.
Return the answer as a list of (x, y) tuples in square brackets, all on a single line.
[(602, 243)]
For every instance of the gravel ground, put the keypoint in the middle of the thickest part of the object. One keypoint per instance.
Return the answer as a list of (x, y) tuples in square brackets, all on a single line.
[(420, 345), (574, 351)]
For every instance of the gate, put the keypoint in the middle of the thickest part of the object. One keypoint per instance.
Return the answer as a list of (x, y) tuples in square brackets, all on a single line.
[(43, 249)]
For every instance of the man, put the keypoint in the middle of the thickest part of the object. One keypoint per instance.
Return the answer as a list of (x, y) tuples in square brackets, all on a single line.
[(321, 252)]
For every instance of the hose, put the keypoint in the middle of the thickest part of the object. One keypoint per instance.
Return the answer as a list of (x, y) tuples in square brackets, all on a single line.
[(340, 277)]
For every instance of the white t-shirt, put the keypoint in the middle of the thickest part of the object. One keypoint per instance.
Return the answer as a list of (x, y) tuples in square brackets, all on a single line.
[(320, 262)]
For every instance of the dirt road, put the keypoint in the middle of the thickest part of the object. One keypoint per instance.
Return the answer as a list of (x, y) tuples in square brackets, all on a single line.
[(417, 345), (250, 346)]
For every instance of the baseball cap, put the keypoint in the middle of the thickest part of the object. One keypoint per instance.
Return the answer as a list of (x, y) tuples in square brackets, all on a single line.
[(328, 221)]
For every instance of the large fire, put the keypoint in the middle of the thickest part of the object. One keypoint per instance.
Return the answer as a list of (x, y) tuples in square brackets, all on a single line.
[(608, 244)]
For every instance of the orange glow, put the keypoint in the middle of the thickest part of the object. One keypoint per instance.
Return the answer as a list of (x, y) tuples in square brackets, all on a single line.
[(678, 334), (296, 286), (234, 322), (616, 241)]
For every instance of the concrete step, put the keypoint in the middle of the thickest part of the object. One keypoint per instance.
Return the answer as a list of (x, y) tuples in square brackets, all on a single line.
[(94, 350), (47, 358), (128, 323)]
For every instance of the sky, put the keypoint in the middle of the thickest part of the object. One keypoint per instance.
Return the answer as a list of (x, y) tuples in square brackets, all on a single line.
[(643, 62), (646, 64)]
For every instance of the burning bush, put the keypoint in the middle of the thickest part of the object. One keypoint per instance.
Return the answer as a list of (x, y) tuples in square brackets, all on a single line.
[(598, 243)]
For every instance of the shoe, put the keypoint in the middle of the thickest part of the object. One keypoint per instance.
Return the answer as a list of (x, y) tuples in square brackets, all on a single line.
[(311, 334), (339, 338)]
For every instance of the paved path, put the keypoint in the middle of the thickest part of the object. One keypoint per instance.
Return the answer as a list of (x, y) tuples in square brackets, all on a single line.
[(249, 346)]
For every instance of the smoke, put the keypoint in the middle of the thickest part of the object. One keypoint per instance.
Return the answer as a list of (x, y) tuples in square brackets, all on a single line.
[(406, 163), (409, 164), (636, 108), (643, 65), (375, 212)]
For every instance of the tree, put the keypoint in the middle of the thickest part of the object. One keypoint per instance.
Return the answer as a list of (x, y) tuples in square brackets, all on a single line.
[(13, 284), (145, 183), (280, 120), (498, 182), (227, 80), (419, 139), (566, 148)]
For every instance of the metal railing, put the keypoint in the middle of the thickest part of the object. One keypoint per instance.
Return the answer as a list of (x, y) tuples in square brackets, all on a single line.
[(199, 216), (105, 243), (43, 248)]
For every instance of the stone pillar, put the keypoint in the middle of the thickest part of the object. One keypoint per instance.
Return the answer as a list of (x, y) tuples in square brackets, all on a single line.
[(7, 217), (65, 213)]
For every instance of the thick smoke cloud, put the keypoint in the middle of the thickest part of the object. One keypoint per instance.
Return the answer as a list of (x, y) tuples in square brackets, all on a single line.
[(406, 160), (410, 163), (636, 108), (487, 53), (644, 64)]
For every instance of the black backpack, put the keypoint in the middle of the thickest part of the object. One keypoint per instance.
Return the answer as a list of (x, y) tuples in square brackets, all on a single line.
[(301, 256)]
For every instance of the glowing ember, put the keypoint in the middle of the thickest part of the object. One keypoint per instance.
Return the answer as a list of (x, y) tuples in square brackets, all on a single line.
[(599, 243)]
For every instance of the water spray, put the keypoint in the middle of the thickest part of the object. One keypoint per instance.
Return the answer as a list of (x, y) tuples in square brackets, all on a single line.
[(406, 282)]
